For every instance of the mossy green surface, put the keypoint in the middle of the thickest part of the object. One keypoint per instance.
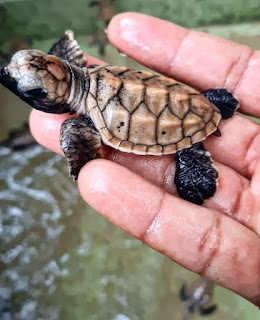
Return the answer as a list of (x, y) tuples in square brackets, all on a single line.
[(46, 19)]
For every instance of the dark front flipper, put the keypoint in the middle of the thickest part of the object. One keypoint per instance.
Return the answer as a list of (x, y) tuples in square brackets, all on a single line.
[(195, 177), (223, 100), (208, 310), (182, 294), (67, 48), (79, 143)]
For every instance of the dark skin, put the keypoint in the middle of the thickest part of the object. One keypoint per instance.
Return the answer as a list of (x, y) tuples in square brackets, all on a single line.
[(221, 239)]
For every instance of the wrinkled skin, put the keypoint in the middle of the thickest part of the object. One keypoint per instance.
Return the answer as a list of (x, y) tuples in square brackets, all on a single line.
[(220, 240)]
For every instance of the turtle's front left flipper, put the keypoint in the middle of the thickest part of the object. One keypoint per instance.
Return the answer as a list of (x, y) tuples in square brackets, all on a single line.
[(67, 48), (80, 142), (196, 176), (183, 293)]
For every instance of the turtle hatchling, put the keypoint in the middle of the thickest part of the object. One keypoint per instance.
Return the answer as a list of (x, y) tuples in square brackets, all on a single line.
[(132, 111)]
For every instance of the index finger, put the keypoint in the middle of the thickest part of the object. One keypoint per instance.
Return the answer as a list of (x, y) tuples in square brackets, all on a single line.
[(195, 58)]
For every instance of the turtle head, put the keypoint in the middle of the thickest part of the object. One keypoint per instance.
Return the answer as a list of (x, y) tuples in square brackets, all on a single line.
[(43, 81)]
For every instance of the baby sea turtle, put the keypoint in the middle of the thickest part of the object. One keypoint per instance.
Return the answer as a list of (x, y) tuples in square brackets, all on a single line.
[(198, 297), (132, 111)]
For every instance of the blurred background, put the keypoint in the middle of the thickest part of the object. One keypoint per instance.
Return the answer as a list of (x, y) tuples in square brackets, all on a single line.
[(58, 258)]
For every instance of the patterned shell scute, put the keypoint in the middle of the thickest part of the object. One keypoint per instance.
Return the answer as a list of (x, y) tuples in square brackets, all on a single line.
[(145, 113)]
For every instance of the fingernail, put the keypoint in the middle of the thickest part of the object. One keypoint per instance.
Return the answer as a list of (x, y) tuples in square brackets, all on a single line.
[(133, 31)]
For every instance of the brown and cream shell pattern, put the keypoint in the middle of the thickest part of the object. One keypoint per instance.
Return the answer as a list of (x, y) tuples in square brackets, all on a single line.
[(144, 113)]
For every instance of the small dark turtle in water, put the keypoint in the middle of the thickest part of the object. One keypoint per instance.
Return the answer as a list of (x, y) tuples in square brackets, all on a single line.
[(132, 111), (19, 138), (198, 297)]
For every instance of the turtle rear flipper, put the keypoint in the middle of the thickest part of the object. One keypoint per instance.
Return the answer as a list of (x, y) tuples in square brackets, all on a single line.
[(224, 100), (67, 48), (196, 176), (205, 311)]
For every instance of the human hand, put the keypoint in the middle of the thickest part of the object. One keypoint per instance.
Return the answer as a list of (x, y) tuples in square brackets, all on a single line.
[(219, 240)]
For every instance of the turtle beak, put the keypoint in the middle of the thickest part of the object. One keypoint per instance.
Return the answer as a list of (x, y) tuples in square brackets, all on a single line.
[(4, 76), (11, 84), (7, 81), (3, 72)]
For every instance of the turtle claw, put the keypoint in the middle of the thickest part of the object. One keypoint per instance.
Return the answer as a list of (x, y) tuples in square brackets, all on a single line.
[(73, 171), (217, 133)]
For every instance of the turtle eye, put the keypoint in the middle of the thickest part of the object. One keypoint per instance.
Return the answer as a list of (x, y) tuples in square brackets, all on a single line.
[(38, 93)]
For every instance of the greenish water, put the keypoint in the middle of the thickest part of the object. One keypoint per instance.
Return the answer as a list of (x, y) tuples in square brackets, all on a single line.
[(60, 260)]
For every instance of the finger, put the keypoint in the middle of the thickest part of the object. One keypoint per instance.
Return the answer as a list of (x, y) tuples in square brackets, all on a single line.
[(234, 199), (46, 129), (92, 60), (239, 145), (201, 240), (193, 57), (255, 188)]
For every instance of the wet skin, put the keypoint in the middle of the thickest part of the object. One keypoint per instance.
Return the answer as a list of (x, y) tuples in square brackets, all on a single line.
[(220, 240)]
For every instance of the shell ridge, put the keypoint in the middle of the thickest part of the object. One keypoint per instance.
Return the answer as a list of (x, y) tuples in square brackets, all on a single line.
[(166, 106), (172, 85), (111, 137), (95, 70), (189, 108), (119, 99), (133, 74), (200, 116), (97, 85), (156, 131), (110, 71), (115, 95), (128, 129), (185, 115), (122, 72), (142, 145), (175, 115), (141, 101), (152, 113), (92, 94), (147, 79)]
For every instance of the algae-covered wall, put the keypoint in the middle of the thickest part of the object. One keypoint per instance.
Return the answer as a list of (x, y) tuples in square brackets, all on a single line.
[(43, 19)]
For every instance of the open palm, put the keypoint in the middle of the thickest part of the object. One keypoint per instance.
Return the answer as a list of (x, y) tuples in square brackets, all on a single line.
[(221, 239)]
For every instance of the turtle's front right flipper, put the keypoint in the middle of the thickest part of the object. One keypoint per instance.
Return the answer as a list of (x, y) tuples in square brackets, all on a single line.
[(196, 176), (67, 48), (79, 142)]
